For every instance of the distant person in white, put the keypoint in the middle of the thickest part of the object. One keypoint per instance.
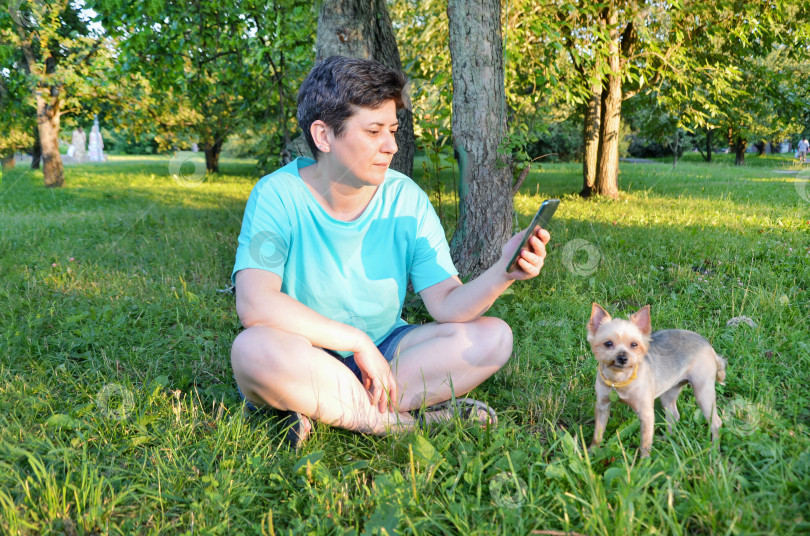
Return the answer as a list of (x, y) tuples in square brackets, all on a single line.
[(803, 147), (78, 145), (96, 148)]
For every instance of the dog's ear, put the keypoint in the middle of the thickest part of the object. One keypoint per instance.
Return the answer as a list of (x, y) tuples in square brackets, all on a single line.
[(641, 319), (598, 316)]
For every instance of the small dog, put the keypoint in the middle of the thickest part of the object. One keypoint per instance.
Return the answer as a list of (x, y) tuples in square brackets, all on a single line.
[(642, 367)]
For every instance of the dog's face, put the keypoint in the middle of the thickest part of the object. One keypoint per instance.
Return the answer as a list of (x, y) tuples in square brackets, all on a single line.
[(619, 343)]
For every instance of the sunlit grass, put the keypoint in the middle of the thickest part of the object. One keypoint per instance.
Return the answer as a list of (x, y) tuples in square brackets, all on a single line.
[(120, 415)]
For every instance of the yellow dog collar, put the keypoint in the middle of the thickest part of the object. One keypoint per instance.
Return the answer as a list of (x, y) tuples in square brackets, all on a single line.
[(619, 385)]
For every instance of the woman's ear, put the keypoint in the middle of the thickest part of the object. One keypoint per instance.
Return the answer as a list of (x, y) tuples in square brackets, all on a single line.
[(320, 135)]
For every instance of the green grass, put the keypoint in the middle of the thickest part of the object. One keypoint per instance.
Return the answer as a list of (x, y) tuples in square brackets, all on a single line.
[(774, 160), (119, 415)]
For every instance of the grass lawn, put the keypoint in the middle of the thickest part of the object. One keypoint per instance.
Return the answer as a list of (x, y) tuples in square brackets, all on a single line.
[(119, 414)]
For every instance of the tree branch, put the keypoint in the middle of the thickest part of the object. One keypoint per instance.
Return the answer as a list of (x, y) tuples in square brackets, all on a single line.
[(654, 81), (628, 37)]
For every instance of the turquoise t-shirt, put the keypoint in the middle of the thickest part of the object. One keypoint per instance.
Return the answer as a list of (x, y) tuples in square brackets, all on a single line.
[(353, 272)]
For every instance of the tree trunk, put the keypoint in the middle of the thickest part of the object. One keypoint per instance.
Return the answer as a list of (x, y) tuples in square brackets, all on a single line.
[(282, 111), (739, 151), (212, 156), (36, 151), (362, 29), (709, 133), (48, 115), (592, 122), (738, 145), (8, 162), (675, 152), (479, 125), (48, 103), (607, 174)]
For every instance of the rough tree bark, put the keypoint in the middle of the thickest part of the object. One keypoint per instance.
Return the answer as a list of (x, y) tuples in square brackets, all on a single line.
[(479, 125), (212, 151), (48, 101), (676, 146), (362, 29), (607, 173), (709, 133), (36, 151), (48, 116), (592, 122), (738, 144)]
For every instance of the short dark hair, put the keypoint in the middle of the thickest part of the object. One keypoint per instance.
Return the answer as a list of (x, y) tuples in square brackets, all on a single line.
[(337, 84)]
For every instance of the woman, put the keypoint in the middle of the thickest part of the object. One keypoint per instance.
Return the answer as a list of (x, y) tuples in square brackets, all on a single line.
[(325, 254)]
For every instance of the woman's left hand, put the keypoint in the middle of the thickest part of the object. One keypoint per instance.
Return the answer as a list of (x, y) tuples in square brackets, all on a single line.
[(532, 258)]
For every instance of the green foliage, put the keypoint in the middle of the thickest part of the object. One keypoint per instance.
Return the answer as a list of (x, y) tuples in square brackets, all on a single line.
[(122, 141), (47, 51), (17, 121), (561, 142), (422, 38), (422, 35), (225, 65), (741, 72), (120, 414)]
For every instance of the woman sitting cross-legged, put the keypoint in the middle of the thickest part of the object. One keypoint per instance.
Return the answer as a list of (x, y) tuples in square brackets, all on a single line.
[(326, 252)]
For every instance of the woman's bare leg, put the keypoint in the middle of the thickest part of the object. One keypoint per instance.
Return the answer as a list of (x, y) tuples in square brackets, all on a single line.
[(433, 363), (285, 371), (437, 361)]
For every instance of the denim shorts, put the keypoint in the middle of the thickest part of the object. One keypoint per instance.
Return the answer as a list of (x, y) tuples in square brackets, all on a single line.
[(387, 348)]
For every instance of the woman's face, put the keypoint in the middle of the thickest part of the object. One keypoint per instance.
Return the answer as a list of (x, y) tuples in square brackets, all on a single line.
[(366, 146)]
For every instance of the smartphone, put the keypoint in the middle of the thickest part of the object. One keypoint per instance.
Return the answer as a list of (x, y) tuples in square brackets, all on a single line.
[(541, 219)]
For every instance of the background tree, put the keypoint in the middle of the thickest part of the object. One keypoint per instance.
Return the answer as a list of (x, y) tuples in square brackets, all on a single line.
[(17, 122), (58, 54), (767, 109), (213, 54), (748, 73), (618, 49), (289, 53), (166, 119), (422, 31)]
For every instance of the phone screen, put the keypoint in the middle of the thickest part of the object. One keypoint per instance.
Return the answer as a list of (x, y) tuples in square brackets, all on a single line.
[(541, 219)]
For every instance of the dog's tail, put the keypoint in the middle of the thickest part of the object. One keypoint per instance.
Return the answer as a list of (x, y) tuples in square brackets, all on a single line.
[(721, 369)]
